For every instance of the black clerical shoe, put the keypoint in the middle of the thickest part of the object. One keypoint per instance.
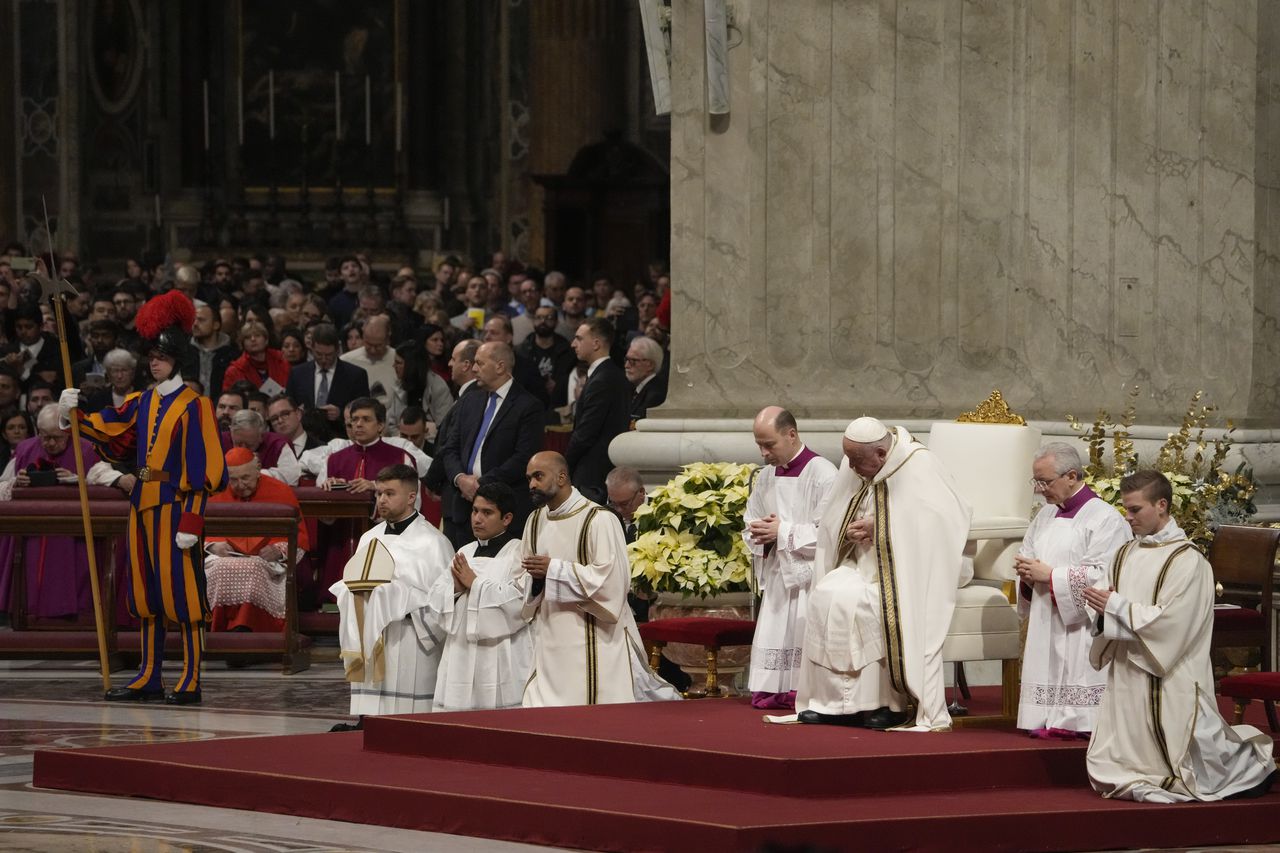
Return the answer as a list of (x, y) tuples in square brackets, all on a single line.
[(813, 717), (132, 694), (348, 727), (1259, 790), (882, 718), (184, 697)]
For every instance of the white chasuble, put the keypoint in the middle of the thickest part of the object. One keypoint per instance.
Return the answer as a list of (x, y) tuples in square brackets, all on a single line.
[(1059, 688), (487, 645), (878, 614), (391, 671), (1159, 736), (783, 570), (586, 649)]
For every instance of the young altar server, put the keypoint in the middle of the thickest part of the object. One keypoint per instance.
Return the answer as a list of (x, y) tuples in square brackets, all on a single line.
[(1159, 737), (586, 649), (1067, 549), (781, 532), (474, 612), (391, 671)]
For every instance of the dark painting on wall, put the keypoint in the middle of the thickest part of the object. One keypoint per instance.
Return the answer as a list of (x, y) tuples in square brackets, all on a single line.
[(115, 59), (326, 70)]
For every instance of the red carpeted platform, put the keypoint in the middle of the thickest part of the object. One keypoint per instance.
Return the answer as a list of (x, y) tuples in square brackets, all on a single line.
[(706, 775)]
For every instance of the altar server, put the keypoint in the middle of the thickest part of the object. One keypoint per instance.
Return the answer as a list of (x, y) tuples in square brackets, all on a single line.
[(474, 612), (587, 650), (1067, 549), (390, 669), (781, 532), (1159, 737), (888, 562)]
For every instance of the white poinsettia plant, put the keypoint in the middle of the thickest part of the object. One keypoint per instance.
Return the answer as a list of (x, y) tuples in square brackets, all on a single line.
[(690, 532)]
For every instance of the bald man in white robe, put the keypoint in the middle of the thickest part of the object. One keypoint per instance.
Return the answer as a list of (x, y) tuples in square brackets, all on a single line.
[(888, 563)]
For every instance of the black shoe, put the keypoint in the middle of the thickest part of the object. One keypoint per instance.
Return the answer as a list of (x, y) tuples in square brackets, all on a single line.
[(348, 727), (851, 720), (185, 697), (1259, 790), (132, 694), (882, 718)]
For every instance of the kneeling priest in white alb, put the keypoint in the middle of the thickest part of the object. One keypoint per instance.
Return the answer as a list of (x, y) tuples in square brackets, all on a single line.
[(1159, 736), (475, 613), (889, 561), (586, 649), (390, 669)]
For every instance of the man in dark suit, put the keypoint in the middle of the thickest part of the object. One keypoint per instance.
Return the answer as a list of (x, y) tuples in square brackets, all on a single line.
[(492, 437), (644, 372), (524, 371), (326, 383), (602, 411), (462, 364)]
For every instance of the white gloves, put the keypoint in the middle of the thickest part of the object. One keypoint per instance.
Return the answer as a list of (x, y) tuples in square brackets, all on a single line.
[(69, 400), (186, 540)]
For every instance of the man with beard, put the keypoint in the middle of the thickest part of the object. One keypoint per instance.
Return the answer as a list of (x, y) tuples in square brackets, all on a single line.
[(391, 670), (587, 650), (550, 353)]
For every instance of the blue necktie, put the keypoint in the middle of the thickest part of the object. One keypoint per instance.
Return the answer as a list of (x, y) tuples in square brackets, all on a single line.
[(484, 430)]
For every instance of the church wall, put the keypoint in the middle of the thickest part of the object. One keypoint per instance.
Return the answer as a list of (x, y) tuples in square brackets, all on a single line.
[(912, 202)]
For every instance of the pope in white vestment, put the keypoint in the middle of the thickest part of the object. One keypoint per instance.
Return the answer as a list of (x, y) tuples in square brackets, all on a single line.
[(487, 645), (1067, 549), (787, 499), (889, 561), (1159, 736), (390, 669), (586, 648)]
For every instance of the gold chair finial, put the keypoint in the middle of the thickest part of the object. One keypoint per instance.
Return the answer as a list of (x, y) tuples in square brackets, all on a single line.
[(993, 410)]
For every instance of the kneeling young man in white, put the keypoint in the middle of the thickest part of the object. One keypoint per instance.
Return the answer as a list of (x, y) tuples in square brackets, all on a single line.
[(1159, 736), (474, 613), (586, 649), (390, 669)]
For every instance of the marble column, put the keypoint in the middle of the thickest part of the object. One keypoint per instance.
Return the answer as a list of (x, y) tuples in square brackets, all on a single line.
[(913, 202)]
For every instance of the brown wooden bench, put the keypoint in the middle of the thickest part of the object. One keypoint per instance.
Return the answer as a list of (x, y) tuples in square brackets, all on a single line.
[(49, 511)]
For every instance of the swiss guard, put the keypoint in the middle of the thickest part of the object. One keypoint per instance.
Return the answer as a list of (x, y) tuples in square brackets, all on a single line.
[(171, 431)]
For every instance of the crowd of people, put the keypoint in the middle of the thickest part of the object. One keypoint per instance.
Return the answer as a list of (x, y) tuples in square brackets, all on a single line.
[(282, 356)]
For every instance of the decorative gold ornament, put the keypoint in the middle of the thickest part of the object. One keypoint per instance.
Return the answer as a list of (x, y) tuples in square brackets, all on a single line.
[(993, 410)]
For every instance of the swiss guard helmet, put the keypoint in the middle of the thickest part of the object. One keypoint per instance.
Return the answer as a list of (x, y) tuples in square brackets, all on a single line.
[(165, 322)]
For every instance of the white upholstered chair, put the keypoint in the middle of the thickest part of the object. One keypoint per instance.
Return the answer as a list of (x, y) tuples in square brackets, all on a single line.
[(991, 464)]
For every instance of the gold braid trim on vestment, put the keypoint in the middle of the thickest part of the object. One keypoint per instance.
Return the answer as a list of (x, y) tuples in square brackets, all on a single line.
[(846, 545), (533, 522), (889, 612), (1156, 684), (592, 685)]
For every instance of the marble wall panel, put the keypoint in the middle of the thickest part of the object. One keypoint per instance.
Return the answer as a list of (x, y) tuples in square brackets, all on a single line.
[(914, 201)]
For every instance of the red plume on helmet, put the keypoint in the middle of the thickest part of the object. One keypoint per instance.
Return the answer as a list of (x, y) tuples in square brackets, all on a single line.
[(158, 314)]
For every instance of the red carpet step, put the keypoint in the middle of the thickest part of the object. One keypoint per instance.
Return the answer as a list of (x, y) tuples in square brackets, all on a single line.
[(681, 776)]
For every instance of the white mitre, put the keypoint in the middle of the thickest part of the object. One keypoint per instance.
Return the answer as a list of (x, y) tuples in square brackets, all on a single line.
[(865, 430)]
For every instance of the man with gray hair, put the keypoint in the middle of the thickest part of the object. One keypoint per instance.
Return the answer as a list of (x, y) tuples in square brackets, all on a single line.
[(1068, 548), (274, 451), (643, 366)]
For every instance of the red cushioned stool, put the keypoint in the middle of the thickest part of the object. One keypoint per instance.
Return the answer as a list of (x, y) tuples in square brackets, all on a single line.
[(1253, 685), (712, 634)]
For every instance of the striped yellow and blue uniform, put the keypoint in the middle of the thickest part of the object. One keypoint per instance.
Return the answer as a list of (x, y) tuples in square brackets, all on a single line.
[(176, 434)]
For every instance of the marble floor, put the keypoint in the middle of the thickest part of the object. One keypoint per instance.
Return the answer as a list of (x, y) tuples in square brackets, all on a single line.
[(57, 705)]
